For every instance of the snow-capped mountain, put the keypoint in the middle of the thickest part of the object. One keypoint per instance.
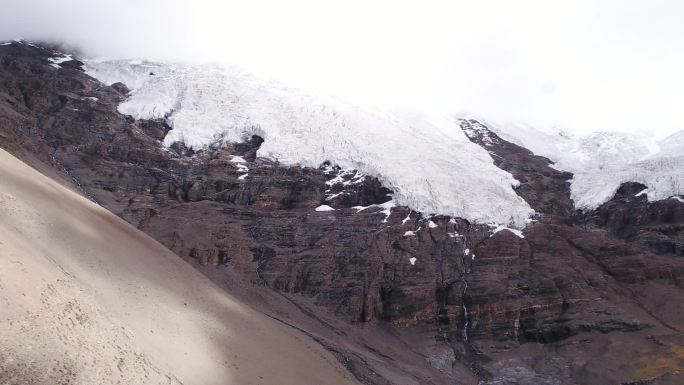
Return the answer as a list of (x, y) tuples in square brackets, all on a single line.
[(323, 251), (426, 160), (602, 161)]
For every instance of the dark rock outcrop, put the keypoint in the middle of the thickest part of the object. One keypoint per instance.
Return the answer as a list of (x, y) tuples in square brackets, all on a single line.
[(545, 189), (658, 226)]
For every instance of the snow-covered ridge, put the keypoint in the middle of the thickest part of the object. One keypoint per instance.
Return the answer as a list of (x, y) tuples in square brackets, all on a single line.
[(426, 160), (602, 161)]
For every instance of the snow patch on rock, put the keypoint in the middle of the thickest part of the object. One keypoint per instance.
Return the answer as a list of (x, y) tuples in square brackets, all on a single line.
[(241, 166), (518, 233), (408, 218), (57, 60)]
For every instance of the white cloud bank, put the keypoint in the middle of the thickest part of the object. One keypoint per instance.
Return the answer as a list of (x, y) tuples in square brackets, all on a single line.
[(580, 65)]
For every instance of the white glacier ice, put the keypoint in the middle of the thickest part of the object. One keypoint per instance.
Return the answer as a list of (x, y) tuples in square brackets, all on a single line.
[(426, 160), (602, 161)]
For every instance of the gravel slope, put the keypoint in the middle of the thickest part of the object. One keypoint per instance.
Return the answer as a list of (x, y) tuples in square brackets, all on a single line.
[(87, 299)]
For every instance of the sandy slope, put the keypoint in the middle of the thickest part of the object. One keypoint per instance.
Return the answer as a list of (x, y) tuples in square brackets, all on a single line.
[(87, 299)]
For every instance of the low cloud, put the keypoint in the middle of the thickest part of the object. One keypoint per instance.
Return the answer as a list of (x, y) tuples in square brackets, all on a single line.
[(585, 65)]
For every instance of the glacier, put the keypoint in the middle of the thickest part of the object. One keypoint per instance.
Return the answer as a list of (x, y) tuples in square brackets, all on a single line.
[(426, 159), (602, 161)]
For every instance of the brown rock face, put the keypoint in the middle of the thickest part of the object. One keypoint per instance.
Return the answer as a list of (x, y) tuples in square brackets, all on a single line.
[(545, 189), (447, 301), (658, 226)]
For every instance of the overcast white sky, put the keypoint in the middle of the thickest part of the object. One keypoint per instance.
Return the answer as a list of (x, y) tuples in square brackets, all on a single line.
[(582, 65)]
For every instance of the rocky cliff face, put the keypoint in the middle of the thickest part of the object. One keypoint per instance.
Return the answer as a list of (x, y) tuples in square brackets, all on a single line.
[(658, 226), (398, 296)]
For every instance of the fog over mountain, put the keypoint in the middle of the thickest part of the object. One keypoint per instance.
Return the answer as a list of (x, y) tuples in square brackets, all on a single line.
[(583, 66)]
